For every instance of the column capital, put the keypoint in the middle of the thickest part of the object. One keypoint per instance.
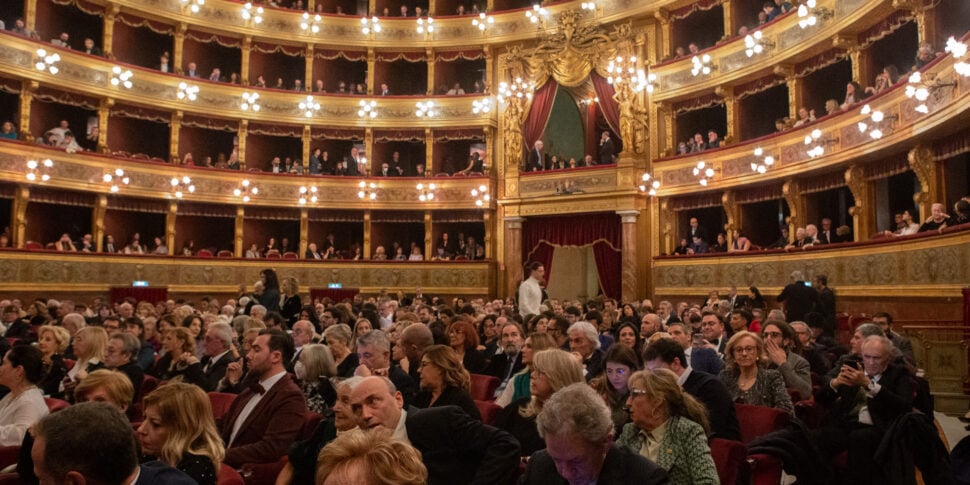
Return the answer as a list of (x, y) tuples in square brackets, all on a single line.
[(628, 216), (514, 222)]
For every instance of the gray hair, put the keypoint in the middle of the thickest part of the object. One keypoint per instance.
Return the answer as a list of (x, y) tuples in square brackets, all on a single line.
[(257, 309), (223, 331), (350, 382), (869, 330), (797, 275), (340, 331), (576, 410), (74, 318), (129, 343), (589, 330), (374, 338), (887, 344)]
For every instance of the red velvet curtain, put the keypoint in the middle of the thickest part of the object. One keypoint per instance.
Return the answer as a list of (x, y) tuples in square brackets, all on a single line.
[(592, 137), (535, 123), (541, 235), (608, 105)]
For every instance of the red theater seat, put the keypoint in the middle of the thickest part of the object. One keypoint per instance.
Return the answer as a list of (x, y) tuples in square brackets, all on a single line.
[(483, 387)]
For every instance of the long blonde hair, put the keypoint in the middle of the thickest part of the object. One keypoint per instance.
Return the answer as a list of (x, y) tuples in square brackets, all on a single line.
[(185, 411), (561, 369), (96, 339)]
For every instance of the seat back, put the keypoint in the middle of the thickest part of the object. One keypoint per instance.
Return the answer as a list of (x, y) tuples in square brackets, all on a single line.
[(290, 255), (229, 476), (225, 253), (483, 387), (729, 457), (221, 402), (55, 405), (489, 411), (310, 423), (756, 421), (204, 253), (149, 384), (33, 245)]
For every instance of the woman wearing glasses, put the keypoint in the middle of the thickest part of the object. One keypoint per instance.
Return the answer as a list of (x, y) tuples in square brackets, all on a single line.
[(444, 381), (747, 376), (669, 427)]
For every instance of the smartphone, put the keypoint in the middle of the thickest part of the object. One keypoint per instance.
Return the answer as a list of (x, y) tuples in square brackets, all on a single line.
[(698, 340)]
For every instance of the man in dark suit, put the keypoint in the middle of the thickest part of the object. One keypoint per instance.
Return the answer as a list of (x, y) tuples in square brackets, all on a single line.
[(798, 298), (607, 149), (218, 355), (578, 430), (311, 252), (827, 235), (65, 438), (864, 400), (413, 341), (825, 304), (268, 414), (695, 229), (509, 361), (454, 447), (537, 160), (668, 354), (374, 352), (120, 354)]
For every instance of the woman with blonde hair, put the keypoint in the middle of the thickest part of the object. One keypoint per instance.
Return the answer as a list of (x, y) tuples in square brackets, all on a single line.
[(179, 346), (362, 326), (52, 341), (368, 458), (669, 427), (518, 386), (314, 369), (747, 376), (179, 430), (89, 344), (338, 338), (105, 385), (552, 370), (444, 381)]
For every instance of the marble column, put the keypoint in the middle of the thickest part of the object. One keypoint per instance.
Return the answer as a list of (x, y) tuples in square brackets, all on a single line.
[(513, 253), (629, 273)]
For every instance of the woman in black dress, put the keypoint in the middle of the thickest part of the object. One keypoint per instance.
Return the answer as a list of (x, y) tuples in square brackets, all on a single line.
[(444, 381)]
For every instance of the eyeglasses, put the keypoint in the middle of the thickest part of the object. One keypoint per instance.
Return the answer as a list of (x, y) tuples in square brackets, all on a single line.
[(745, 350), (638, 392), (772, 334)]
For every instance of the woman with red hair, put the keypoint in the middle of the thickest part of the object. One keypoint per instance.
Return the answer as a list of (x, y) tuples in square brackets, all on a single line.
[(463, 338)]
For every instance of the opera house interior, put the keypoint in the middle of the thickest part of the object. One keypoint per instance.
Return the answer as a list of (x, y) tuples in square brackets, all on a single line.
[(637, 149)]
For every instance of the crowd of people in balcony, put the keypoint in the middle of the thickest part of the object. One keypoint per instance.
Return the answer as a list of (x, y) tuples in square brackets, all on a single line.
[(652, 387), (698, 143)]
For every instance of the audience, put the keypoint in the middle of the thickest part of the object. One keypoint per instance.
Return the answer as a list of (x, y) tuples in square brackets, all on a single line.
[(747, 377), (24, 404)]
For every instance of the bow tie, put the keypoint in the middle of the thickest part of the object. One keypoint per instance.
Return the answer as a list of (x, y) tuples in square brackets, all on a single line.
[(257, 388)]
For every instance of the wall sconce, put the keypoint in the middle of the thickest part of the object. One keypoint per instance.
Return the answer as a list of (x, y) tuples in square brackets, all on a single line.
[(185, 91), (308, 194), (368, 109), (250, 101), (537, 14), (762, 166), (249, 13), (39, 171), (959, 51), (483, 22), (426, 192), (483, 105), (482, 199), (809, 14), (648, 184), (818, 143), (876, 117), (702, 65), (425, 108), (115, 179), (245, 190), (368, 191), (755, 44), (921, 90), (121, 77), (309, 107), (368, 25), (311, 23), (192, 5), (425, 25), (704, 172), (47, 62), (181, 185)]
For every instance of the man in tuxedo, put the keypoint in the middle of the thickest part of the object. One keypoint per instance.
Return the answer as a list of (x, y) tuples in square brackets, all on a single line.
[(120, 354), (607, 149), (712, 328), (385, 91), (353, 164), (413, 341), (827, 235), (397, 169), (302, 336), (508, 361), (218, 356), (798, 298), (62, 449), (374, 352), (268, 414), (312, 252), (191, 71), (695, 230), (578, 430), (454, 447), (709, 390), (537, 160), (109, 244)]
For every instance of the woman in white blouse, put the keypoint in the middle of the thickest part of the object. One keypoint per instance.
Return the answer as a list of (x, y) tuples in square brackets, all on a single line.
[(22, 369)]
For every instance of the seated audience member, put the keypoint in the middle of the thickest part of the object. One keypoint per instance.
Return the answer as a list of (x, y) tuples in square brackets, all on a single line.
[(24, 405), (925, 54), (620, 363), (179, 431), (669, 427), (374, 353), (89, 344), (866, 396), (901, 343), (683, 247), (416, 254), (52, 341), (905, 226), (712, 140), (179, 347), (15, 326), (508, 359), (62, 450), (584, 341), (720, 244), (576, 427), (961, 211), (8, 131), (747, 377), (262, 432), (339, 338), (938, 219), (444, 381), (698, 246), (454, 447), (552, 370), (811, 350), (120, 354), (853, 94), (218, 354), (65, 244), (370, 458), (782, 241), (520, 385), (781, 345), (805, 116), (314, 369), (668, 354)]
